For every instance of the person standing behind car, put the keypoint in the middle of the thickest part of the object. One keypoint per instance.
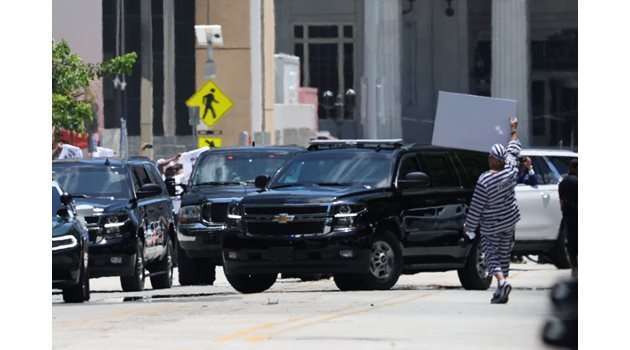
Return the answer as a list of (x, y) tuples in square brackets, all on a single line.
[(494, 211), (568, 192)]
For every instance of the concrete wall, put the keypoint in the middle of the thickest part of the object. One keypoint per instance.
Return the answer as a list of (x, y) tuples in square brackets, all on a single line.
[(236, 63), (289, 12), (434, 58)]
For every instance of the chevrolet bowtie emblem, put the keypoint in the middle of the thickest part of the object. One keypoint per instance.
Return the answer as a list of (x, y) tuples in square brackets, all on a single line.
[(283, 218)]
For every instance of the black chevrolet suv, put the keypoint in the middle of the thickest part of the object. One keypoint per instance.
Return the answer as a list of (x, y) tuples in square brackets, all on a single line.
[(364, 210), (132, 228), (220, 176)]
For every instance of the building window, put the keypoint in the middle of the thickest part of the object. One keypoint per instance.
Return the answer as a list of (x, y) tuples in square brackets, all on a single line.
[(326, 54)]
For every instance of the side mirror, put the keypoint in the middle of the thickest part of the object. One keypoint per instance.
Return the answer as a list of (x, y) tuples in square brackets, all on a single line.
[(148, 190), (66, 198), (416, 179), (261, 181), (170, 186)]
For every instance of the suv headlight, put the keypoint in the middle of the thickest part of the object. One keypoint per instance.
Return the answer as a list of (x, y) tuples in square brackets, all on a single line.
[(347, 215), (188, 214), (114, 224)]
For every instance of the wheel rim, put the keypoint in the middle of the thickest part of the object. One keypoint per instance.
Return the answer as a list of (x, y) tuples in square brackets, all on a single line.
[(381, 260), (169, 265), (140, 264), (481, 263)]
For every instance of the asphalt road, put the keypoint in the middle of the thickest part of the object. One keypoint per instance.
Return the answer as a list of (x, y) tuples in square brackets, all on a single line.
[(423, 311)]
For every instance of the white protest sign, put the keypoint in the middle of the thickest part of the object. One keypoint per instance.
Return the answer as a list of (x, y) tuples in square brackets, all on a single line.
[(188, 160), (472, 122)]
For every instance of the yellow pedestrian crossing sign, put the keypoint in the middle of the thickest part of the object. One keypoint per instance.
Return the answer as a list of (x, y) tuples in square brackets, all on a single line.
[(212, 103), (211, 142)]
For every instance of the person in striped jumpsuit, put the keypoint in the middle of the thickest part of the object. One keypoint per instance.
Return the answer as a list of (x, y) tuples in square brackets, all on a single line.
[(494, 211)]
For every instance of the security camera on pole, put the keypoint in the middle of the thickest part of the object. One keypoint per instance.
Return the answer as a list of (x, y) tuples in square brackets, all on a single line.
[(206, 101)]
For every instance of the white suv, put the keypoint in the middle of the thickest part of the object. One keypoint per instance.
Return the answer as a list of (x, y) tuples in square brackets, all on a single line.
[(540, 230)]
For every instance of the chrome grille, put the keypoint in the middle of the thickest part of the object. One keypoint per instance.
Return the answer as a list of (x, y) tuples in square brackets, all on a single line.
[(291, 210), (219, 212), (273, 228), (214, 212)]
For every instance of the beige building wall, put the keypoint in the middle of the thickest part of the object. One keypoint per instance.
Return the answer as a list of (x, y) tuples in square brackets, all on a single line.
[(269, 48), (233, 62)]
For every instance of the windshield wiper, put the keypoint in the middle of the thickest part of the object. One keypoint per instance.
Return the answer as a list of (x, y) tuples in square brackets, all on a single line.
[(219, 183), (288, 185), (334, 184)]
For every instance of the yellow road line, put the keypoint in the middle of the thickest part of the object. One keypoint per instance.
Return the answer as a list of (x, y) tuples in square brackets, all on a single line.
[(87, 322), (249, 334)]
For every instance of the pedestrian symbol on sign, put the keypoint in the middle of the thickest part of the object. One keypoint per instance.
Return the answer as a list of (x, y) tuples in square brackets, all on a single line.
[(212, 103), (208, 100)]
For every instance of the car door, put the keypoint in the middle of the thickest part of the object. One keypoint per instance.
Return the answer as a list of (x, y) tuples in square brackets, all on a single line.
[(539, 205), (164, 206), (433, 217), (148, 210)]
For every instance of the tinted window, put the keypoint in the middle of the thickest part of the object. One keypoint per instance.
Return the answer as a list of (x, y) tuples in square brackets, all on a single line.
[(408, 165), (544, 174), (140, 176), (475, 164), (92, 180), (357, 167), (439, 171), (237, 167), (56, 201)]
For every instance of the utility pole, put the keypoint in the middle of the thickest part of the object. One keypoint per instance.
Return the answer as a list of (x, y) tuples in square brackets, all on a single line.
[(146, 85)]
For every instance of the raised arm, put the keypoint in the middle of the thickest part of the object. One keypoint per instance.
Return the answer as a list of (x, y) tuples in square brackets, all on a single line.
[(514, 147)]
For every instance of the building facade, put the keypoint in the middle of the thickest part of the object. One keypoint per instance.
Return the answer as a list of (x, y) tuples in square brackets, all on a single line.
[(398, 54)]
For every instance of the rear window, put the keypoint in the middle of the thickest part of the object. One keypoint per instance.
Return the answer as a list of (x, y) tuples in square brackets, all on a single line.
[(93, 180)]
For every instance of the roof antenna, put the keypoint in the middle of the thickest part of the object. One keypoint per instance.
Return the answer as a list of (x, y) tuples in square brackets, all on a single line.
[(107, 161), (253, 143)]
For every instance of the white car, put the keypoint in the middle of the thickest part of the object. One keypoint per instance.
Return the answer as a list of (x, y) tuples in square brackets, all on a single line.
[(540, 230)]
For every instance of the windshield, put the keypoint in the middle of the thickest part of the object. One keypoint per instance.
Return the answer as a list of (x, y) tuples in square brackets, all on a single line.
[(93, 180), (343, 167), (56, 201), (237, 167)]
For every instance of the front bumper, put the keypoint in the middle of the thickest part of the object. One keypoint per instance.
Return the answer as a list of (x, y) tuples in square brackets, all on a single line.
[(113, 257), (201, 240), (247, 254), (66, 268)]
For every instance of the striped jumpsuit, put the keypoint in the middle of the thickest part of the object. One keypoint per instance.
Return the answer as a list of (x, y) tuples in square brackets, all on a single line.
[(494, 210)]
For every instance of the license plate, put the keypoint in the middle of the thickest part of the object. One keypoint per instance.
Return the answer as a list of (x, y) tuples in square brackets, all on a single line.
[(281, 253)]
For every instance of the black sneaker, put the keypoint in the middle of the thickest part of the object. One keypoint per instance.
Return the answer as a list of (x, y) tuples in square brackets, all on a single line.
[(505, 292), (496, 296)]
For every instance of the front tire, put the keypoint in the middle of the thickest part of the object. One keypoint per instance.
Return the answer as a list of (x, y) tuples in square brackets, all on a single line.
[(385, 263), (194, 271), (473, 275), (251, 283), (135, 283), (559, 255), (164, 280), (347, 281)]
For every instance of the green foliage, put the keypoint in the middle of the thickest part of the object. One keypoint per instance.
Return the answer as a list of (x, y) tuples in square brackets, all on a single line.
[(71, 78)]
